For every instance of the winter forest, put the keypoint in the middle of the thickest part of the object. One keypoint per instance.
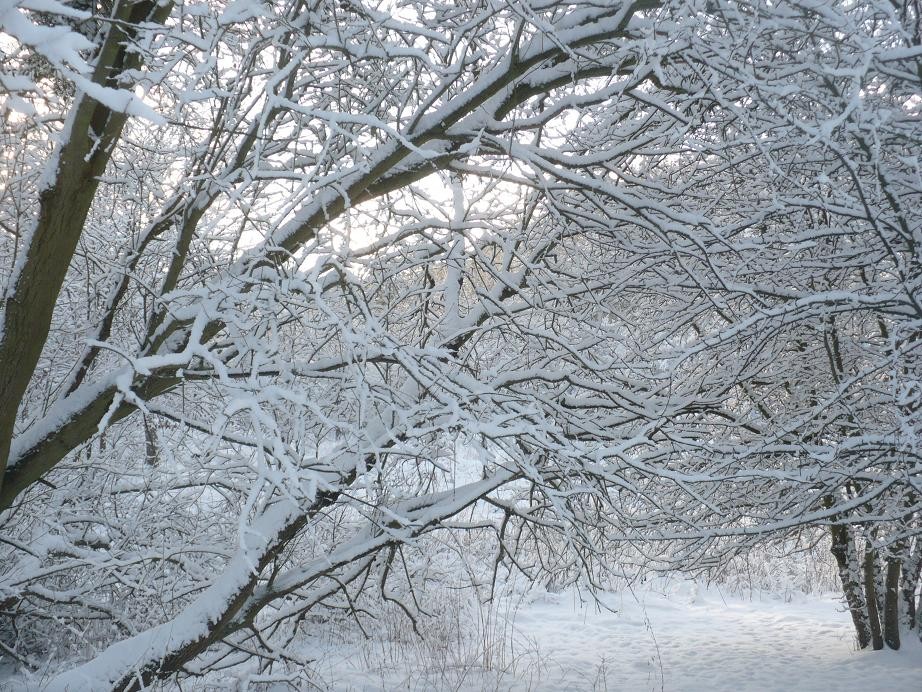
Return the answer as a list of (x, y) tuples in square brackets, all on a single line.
[(356, 325)]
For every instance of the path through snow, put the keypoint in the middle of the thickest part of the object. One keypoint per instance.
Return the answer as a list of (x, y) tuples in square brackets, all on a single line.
[(696, 639)]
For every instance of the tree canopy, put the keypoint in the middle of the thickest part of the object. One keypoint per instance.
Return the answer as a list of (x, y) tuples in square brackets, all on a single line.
[(292, 287)]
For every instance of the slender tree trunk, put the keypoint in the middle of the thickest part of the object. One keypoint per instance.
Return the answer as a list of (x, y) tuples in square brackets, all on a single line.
[(151, 447), (870, 595), (843, 549), (892, 603), (912, 573)]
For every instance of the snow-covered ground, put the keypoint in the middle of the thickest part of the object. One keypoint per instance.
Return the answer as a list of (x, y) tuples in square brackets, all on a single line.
[(677, 636), (683, 637)]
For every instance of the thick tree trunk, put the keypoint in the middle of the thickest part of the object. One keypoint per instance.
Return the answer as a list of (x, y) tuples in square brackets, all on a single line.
[(64, 203)]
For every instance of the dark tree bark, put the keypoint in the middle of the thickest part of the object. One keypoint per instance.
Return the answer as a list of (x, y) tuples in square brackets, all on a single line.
[(870, 594), (892, 603), (843, 549), (911, 575)]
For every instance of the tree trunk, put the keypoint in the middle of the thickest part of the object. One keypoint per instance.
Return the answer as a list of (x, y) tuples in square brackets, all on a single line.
[(843, 549), (73, 174), (892, 603), (870, 595), (912, 573), (151, 447)]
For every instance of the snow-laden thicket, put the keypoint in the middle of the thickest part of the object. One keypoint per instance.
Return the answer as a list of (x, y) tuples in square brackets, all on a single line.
[(296, 291)]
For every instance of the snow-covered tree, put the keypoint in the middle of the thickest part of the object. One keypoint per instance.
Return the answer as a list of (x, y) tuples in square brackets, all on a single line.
[(292, 285)]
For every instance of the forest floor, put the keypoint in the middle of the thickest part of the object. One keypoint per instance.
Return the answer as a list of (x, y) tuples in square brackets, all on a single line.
[(673, 636), (682, 638)]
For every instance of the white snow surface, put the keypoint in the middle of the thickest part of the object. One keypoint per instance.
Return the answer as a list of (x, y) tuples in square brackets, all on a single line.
[(683, 638), (675, 636)]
